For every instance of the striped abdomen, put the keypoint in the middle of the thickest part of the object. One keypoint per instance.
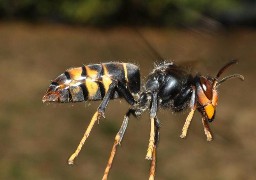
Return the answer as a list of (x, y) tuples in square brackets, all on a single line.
[(91, 82)]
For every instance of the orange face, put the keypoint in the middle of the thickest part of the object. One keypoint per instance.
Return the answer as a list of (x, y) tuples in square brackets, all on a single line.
[(207, 97)]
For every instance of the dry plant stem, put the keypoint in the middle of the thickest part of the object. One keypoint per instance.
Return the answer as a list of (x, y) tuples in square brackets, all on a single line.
[(207, 129), (151, 139), (187, 123), (152, 171), (95, 117), (117, 142)]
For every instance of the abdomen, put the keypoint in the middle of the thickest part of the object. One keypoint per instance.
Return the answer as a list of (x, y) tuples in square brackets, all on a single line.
[(91, 82)]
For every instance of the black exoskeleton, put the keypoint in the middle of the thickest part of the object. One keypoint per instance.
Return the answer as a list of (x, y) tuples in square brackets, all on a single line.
[(172, 85)]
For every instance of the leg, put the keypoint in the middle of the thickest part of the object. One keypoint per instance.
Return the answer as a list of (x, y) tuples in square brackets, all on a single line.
[(126, 93), (187, 123), (207, 129), (190, 115), (118, 139), (153, 165), (153, 162), (96, 117), (129, 98), (105, 100), (151, 140), (152, 127)]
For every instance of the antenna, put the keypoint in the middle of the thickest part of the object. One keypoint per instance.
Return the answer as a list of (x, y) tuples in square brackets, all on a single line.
[(148, 44)]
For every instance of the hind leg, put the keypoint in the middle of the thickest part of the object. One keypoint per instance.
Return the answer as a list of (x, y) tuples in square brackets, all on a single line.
[(119, 136), (97, 115), (118, 139)]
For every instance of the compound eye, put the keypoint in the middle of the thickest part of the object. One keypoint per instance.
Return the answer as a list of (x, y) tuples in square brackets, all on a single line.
[(207, 87)]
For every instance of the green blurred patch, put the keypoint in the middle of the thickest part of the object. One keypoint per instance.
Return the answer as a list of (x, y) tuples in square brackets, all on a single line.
[(105, 13), (17, 170), (109, 128)]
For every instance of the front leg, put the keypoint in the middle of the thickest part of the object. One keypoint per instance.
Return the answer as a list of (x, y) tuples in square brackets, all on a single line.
[(192, 105), (207, 129), (187, 123)]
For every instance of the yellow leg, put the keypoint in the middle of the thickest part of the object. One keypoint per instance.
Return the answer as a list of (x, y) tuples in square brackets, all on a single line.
[(207, 129), (95, 117), (117, 142), (151, 139), (187, 123), (153, 165)]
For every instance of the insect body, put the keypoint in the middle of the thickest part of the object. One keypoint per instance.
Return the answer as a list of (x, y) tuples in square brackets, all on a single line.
[(167, 86)]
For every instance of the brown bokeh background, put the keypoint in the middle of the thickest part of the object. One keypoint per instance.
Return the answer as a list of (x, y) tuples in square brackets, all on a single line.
[(37, 139)]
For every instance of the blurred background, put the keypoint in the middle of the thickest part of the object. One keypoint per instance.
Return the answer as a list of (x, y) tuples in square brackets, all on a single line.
[(40, 39)]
